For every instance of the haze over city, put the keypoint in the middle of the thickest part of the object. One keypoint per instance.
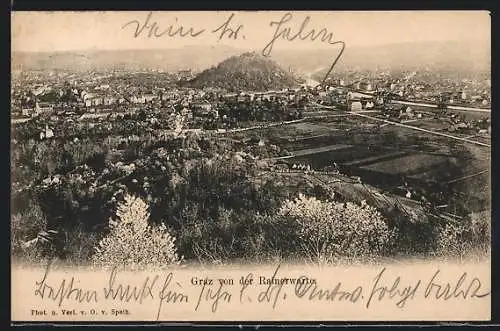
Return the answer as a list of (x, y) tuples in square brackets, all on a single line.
[(70, 31)]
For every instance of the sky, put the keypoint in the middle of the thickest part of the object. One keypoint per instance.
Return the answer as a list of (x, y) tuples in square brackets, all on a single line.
[(70, 31)]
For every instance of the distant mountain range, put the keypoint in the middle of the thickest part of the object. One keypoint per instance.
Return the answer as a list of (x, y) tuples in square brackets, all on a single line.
[(461, 56), (190, 57), (249, 71), (450, 57)]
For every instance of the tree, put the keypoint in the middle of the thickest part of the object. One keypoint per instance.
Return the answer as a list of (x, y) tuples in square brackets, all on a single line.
[(133, 243), (333, 231)]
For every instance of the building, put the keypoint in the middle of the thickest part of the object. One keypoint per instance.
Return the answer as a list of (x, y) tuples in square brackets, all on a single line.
[(203, 109), (28, 111), (355, 106), (149, 97), (369, 105), (43, 107), (97, 101), (138, 99), (185, 74), (109, 101), (46, 133)]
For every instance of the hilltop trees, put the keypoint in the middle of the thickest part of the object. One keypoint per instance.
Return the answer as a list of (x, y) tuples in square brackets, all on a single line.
[(247, 72)]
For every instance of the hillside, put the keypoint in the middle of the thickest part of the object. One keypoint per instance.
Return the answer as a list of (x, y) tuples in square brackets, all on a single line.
[(249, 71)]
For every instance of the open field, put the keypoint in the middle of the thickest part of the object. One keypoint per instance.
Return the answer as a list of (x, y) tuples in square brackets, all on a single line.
[(390, 156)]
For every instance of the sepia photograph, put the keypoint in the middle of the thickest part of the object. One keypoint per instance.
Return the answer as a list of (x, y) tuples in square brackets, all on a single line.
[(204, 142)]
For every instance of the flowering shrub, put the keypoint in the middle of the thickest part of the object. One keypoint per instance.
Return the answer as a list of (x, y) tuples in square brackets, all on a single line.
[(332, 231), (133, 243)]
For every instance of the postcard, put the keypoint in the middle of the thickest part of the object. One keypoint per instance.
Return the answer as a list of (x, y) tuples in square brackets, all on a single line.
[(252, 166)]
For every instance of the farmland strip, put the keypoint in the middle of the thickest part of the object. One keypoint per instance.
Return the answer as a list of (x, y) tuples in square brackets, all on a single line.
[(423, 130)]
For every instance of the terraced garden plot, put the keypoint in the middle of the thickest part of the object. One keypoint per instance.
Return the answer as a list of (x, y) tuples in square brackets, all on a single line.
[(321, 149), (319, 158), (403, 163)]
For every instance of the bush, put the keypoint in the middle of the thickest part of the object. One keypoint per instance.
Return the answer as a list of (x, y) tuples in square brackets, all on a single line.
[(133, 243), (339, 232), (79, 246), (416, 238), (25, 227), (235, 235), (270, 238), (463, 239)]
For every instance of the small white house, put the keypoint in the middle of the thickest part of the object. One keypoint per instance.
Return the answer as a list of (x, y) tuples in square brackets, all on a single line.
[(47, 133), (356, 106)]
